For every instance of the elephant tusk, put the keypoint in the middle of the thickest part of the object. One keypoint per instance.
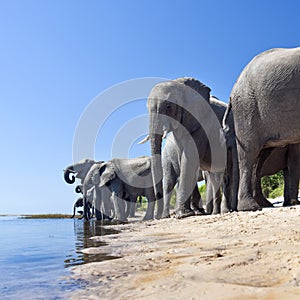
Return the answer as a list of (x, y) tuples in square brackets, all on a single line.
[(146, 139), (165, 134)]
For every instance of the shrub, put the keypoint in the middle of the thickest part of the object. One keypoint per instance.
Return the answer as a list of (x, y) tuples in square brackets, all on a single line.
[(273, 185)]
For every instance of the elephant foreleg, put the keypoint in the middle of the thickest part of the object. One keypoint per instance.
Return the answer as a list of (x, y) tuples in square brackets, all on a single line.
[(118, 202), (98, 206), (169, 183), (185, 189), (132, 207), (196, 202), (150, 205)]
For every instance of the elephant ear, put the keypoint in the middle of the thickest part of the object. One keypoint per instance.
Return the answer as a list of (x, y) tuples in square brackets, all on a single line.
[(143, 165), (196, 85), (107, 173)]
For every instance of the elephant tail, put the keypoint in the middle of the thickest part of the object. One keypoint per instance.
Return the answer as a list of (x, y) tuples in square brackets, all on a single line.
[(225, 126)]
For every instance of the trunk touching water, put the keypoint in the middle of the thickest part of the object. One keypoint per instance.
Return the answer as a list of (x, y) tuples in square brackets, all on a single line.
[(156, 165)]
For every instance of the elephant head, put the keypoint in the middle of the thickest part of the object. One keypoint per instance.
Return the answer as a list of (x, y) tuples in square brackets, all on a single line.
[(172, 106), (80, 169)]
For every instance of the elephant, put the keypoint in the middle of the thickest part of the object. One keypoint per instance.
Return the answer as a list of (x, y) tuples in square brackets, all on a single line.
[(265, 102), (122, 180), (184, 107), (171, 157), (89, 199), (80, 169), (78, 203)]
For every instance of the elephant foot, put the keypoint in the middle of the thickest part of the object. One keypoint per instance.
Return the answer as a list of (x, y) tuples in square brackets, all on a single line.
[(200, 212), (291, 202), (166, 216), (125, 220), (248, 204), (225, 210), (147, 218), (184, 213), (263, 202), (158, 216)]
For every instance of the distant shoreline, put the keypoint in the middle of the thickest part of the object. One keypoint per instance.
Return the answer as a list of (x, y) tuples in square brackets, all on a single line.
[(39, 216)]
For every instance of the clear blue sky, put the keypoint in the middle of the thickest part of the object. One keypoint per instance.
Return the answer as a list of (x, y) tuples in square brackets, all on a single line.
[(56, 56)]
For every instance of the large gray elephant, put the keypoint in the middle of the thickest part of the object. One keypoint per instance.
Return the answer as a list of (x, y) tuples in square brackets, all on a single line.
[(265, 102), (171, 159), (122, 180), (183, 106)]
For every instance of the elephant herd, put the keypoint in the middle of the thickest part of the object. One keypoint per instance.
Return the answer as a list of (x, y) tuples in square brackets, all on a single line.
[(230, 146)]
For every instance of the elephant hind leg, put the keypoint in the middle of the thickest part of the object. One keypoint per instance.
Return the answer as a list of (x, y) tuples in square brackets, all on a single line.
[(292, 175), (247, 163), (257, 193)]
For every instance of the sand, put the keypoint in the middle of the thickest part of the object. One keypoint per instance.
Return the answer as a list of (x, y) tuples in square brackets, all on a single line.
[(244, 255)]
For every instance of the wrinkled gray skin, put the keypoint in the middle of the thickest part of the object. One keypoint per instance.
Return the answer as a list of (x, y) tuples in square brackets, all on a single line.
[(78, 170), (122, 180), (171, 158), (103, 206), (216, 201), (265, 102), (169, 104)]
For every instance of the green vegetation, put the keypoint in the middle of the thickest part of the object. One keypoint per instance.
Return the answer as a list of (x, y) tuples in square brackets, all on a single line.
[(272, 186), (46, 216), (202, 190)]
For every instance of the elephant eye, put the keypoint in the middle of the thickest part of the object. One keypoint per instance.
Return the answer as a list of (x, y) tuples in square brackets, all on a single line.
[(168, 106)]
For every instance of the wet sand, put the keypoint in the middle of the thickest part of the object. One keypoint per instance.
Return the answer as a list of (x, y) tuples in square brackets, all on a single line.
[(244, 255)]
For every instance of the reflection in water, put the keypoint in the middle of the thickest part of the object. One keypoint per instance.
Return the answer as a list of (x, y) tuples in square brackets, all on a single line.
[(83, 231)]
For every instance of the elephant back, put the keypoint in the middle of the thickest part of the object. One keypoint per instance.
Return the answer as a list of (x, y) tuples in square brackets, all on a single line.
[(139, 166)]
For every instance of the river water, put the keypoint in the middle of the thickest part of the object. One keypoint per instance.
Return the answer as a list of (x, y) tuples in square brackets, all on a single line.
[(36, 255)]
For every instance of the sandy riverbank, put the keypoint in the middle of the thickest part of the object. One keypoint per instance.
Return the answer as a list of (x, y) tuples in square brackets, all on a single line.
[(246, 255)]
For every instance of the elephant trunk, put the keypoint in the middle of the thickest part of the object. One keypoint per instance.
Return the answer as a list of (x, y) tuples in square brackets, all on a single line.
[(69, 171), (78, 189), (156, 164), (86, 209), (74, 209)]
